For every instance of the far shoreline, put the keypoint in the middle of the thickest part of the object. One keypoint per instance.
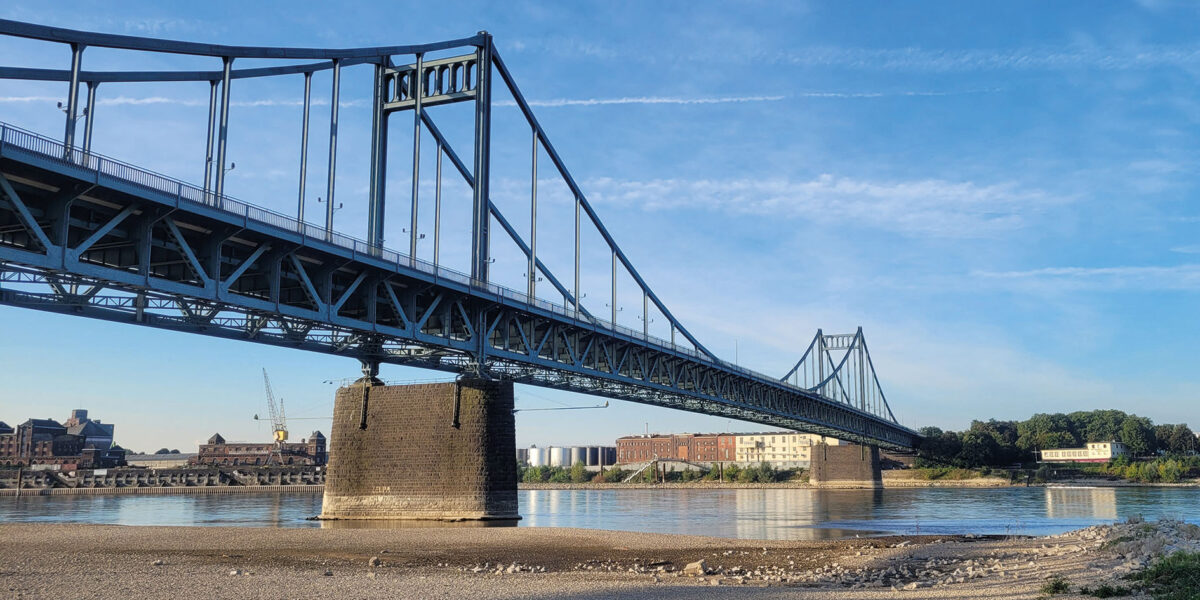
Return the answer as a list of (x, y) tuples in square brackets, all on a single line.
[(888, 483)]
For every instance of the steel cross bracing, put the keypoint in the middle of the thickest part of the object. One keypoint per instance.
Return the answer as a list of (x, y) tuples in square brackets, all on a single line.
[(87, 235)]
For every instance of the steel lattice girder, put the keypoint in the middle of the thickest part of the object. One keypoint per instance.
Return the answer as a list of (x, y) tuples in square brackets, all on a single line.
[(79, 242)]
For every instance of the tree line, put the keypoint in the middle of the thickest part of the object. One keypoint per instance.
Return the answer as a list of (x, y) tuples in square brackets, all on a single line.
[(995, 443)]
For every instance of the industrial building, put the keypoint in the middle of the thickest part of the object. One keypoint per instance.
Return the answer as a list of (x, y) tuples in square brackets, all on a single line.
[(77, 443), (567, 456), (218, 452), (786, 448)]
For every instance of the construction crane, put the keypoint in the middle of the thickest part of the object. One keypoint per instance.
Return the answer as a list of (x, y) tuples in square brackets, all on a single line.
[(278, 418)]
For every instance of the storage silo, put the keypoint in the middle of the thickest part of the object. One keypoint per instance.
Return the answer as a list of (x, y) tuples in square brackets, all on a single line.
[(522, 456), (556, 456), (593, 456), (608, 455), (578, 455), (537, 457)]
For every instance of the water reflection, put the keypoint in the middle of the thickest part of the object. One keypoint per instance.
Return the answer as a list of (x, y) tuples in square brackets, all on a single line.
[(1071, 503), (412, 524), (796, 514)]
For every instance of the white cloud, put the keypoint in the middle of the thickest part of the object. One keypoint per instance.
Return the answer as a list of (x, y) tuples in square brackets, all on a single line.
[(560, 102), (924, 207), (1145, 278), (644, 100), (1019, 59)]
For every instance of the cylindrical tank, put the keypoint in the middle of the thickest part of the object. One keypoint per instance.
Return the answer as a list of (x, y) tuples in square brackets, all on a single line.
[(608, 455), (537, 457), (578, 455), (593, 456), (556, 456), (522, 456)]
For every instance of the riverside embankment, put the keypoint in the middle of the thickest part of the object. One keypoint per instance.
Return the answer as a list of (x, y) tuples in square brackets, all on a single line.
[(220, 562)]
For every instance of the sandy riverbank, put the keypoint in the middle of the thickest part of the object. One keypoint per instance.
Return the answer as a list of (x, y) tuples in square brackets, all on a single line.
[(97, 561)]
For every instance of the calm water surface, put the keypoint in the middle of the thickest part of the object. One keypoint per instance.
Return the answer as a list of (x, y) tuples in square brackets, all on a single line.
[(750, 514)]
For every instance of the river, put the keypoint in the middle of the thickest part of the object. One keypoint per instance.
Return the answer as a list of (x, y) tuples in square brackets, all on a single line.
[(736, 513)]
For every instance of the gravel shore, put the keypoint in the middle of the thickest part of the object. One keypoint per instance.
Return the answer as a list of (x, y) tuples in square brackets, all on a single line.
[(101, 561)]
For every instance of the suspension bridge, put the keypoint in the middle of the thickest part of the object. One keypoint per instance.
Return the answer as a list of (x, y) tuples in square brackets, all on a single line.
[(88, 235)]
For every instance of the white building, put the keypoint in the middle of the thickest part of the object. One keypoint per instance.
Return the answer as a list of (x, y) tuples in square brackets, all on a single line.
[(1094, 452), (778, 447)]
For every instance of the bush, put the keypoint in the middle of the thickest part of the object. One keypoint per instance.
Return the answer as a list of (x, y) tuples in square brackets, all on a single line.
[(534, 475), (1106, 591), (559, 475), (1174, 577), (650, 475), (579, 473), (732, 472), (1042, 475), (1056, 585)]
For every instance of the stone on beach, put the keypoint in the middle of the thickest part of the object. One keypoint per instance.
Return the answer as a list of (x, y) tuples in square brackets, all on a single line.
[(696, 569)]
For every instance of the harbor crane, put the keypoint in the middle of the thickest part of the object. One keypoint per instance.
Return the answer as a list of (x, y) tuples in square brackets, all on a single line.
[(278, 418)]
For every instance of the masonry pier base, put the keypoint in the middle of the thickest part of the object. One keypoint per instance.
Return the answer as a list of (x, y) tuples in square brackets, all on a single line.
[(847, 466), (441, 451)]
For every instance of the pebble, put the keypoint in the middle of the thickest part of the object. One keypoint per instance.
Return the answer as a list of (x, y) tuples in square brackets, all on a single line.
[(374, 562)]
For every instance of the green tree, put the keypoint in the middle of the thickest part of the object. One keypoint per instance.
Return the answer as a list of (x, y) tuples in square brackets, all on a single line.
[(1098, 425), (938, 448), (978, 446), (1183, 440), (1042, 431), (1162, 436), (579, 473), (732, 472), (1137, 433), (534, 475), (559, 475), (747, 475), (766, 473)]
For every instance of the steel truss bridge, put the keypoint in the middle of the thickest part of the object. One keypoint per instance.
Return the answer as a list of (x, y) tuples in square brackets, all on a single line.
[(87, 235)]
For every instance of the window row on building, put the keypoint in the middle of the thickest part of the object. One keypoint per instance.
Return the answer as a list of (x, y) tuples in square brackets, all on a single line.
[(720, 447)]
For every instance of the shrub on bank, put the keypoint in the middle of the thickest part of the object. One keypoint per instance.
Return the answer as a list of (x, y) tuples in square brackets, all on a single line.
[(1173, 577), (937, 473)]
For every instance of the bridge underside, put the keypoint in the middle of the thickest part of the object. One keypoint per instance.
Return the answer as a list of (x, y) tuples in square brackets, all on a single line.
[(104, 240)]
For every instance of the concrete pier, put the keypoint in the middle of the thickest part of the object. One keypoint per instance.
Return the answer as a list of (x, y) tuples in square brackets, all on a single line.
[(845, 466), (442, 451)]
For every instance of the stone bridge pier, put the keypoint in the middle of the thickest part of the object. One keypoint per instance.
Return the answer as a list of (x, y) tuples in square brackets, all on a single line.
[(845, 466), (440, 451)]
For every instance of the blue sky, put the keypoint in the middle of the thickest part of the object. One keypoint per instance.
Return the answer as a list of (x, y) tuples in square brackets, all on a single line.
[(1002, 196)]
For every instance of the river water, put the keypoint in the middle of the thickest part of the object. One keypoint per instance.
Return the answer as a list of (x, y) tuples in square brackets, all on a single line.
[(736, 513)]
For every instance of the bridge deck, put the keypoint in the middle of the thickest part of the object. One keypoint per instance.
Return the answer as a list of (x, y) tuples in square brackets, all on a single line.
[(87, 235)]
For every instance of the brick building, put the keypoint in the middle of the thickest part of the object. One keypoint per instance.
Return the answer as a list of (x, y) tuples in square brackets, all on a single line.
[(79, 443), (217, 451), (695, 447), (780, 447)]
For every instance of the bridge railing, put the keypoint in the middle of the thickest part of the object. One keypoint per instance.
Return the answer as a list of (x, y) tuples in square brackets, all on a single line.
[(56, 151)]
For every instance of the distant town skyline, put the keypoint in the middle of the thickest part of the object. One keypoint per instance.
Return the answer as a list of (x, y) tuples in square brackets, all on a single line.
[(1003, 197)]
